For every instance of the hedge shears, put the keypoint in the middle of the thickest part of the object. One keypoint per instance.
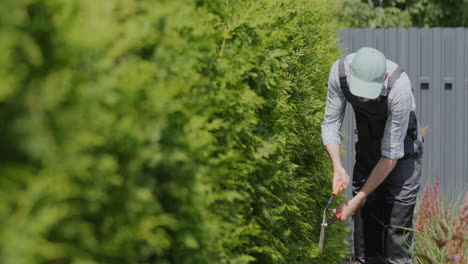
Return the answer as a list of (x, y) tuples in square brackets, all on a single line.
[(336, 190)]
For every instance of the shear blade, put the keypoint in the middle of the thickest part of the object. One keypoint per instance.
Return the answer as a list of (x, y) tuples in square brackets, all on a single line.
[(322, 238), (322, 230)]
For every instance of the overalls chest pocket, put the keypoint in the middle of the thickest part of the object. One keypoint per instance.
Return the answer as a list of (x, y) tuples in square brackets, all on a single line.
[(377, 129), (371, 118)]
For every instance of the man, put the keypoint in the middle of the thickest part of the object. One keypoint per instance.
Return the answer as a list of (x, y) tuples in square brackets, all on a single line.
[(388, 153)]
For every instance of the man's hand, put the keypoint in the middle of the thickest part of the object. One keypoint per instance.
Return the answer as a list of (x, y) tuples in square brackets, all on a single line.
[(347, 209), (340, 173), (377, 176)]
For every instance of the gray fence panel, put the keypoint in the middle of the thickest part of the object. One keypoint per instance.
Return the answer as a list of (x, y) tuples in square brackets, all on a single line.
[(436, 89), (425, 86), (459, 103), (465, 131), (436, 60), (448, 127)]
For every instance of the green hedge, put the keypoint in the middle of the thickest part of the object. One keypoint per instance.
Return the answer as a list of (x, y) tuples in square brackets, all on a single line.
[(181, 131)]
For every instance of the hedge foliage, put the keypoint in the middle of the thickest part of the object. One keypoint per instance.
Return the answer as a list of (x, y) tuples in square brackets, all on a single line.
[(177, 131)]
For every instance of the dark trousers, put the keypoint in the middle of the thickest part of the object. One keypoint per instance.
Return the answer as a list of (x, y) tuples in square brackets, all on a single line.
[(382, 224)]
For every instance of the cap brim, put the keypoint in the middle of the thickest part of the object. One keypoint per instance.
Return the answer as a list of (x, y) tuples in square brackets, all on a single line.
[(364, 89)]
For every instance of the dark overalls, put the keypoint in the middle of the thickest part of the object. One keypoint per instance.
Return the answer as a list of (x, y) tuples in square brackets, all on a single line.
[(378, 237)]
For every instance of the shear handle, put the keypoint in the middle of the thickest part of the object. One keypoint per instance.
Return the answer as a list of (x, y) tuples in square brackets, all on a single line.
[(338, 187), (336, 190), (336, 215)]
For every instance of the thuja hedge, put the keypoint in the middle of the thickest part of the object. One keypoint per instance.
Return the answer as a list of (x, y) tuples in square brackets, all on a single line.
[(181, 131)]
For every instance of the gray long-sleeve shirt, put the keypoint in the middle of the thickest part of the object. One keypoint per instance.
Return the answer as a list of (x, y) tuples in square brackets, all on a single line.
[(400, 104)]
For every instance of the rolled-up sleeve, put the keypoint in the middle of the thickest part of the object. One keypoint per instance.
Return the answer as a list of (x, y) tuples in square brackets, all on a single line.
[(334, 109), (399, 108)]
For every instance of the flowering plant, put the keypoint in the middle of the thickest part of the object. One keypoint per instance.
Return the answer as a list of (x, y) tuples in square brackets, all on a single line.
[(441, 235)]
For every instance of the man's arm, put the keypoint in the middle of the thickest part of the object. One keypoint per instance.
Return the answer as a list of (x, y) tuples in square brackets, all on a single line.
[(334, 154), (338, 171), (333, 118), (379, 173)]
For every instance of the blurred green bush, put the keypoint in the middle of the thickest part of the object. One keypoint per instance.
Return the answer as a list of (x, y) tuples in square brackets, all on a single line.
[(182, 131), (403, 13)]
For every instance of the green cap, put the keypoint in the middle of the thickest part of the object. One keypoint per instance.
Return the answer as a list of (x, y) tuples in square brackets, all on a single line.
[(368, 69)]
